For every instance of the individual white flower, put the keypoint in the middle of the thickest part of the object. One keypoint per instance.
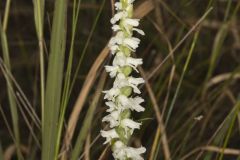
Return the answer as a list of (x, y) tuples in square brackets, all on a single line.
[(116, 28), (134, 62), (135, 153), (128, 123), (119, 150), (131, 22), (112, 70), (131, 103), (119, 77), (113, 118), (113, 49), (132, 43), (121, 60), (111, 94), (134, 104), (135, 81), (109, 135), (118, 16), (122, 81), (118, 144), (123, 152), (112, 106), (117, 39)]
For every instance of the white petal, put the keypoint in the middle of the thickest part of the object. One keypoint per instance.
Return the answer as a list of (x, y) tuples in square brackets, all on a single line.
[(123, 100), (122, 152), (114, 49), (113, 118), (109, 135), (132, 42), (112, 42), (136, 81), (134, 61), (118, 144), (135, 153), (111, 94), (119, 60), (119, 151), (134, 104), (132, 22), (121, 81), (139, 31), (131, 103), (117, 39), (115, 28), (118, 16), (112, 70), (111, 106), (135, 89), (130, 124)]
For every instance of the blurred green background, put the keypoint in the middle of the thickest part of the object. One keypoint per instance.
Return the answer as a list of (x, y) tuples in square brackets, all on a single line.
[(191, 54)]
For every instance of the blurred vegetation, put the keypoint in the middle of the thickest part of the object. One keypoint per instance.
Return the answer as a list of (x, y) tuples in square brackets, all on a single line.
[(51, 77)]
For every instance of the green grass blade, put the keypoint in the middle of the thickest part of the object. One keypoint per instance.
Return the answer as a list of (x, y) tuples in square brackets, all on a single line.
[(182, 76), (39, 23), (217, 47), (54, 80), (230, 129), (70, 86), (68, 73), (86, 47), (6, 58)]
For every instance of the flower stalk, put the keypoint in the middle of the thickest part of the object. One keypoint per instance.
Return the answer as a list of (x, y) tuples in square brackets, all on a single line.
[(120, 99)]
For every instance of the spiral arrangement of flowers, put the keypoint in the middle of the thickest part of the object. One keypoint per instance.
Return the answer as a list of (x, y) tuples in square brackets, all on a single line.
[(119, 98)]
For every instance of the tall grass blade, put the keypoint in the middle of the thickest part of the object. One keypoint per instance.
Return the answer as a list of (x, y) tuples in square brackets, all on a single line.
[(217, 47), (76, 111), (182, 76), (39, 23), (67, 81), (224, 130), (86, 46), (18, 103), (20, 95), (230, 129), (54, 81), (6, 58)]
